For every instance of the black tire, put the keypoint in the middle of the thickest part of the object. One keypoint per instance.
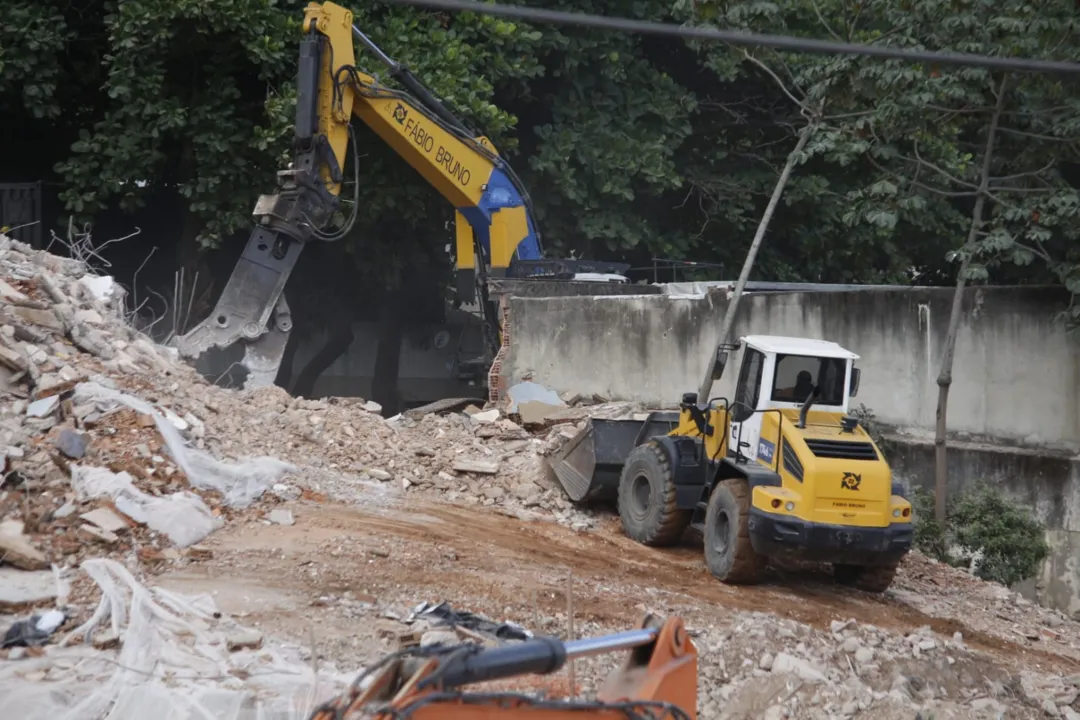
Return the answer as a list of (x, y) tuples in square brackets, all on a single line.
[(729, 555), (872, 578), (647, 498)]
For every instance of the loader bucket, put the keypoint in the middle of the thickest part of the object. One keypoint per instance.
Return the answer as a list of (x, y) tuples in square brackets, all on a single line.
[(588, 466)]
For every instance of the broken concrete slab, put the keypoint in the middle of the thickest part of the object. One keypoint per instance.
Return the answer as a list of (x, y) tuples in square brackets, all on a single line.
[(482, 467), (43, 407), (244, 640), (16, 549), (96, 533), (10, 293), (19, 588), (106, 519), (535, 412), (281, 516), (486, 416), (42, 318)]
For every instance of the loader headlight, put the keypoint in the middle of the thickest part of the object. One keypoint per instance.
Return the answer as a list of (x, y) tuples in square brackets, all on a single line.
[(789, 506)]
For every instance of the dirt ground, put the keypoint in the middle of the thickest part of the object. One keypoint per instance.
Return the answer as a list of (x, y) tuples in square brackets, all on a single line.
[(338, 569)]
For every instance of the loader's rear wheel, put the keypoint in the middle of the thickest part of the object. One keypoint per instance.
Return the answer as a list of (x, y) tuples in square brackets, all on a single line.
[(647, 498), (873, 578), (728, 553)]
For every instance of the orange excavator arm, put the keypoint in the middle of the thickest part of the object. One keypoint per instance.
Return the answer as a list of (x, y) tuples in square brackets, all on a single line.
[(658, 680)]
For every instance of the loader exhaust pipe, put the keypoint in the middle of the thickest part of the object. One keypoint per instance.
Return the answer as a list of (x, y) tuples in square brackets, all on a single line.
[(806, 406)]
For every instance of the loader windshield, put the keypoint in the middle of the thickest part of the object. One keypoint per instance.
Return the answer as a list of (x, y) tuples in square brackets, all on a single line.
[(796, 376)]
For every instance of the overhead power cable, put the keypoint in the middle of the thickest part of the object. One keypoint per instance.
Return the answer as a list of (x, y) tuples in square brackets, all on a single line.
[(779, 42)]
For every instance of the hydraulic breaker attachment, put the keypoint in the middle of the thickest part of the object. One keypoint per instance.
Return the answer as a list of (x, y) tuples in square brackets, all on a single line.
[(251, 309)]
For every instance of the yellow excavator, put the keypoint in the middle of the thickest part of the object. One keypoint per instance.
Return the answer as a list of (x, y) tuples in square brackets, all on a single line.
[(496, 232), (781, 470)]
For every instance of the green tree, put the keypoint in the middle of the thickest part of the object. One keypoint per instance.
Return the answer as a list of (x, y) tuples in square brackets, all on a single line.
[(987, 149), (818, 234)]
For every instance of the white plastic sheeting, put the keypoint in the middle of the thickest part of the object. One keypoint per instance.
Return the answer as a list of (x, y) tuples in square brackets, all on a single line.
[(173, 664), (181, 516), (241, 483)]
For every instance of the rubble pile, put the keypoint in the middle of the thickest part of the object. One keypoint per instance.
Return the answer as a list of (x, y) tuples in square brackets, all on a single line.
[(90, 404), (768, 667)]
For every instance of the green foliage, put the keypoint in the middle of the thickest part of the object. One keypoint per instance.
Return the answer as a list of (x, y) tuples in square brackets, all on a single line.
[(180, 112), (998, 537), (868, 421), (929, 535), (632, 147), (32, 39)]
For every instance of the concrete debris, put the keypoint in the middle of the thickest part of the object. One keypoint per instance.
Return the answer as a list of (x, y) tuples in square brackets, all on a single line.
[(484, 467), (43, 408), (244, 640), (17, 550), (281, 516), (105, 519), (72, 444), (19, 588), (486, 416)]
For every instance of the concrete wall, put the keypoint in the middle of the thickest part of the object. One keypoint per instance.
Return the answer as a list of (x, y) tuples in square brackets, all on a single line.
[(1016, 374), (1047, 482)]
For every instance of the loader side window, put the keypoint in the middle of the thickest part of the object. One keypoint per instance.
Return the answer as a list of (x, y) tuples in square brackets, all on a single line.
[(749, 391)]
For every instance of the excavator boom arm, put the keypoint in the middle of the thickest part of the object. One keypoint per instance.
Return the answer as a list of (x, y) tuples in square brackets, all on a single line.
[(494, 224)]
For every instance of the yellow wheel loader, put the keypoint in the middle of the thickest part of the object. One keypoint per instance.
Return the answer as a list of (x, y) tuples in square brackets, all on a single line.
[(781, 469)]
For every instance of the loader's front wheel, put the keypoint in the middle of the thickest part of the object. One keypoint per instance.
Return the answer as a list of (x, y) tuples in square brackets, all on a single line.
[(647, 498), (728, 553)]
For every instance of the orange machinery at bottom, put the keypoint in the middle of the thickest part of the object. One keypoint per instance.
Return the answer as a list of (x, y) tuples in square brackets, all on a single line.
[(658, 680)]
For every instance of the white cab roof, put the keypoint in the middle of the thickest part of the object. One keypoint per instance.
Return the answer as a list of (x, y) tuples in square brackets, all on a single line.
[(798, 346)]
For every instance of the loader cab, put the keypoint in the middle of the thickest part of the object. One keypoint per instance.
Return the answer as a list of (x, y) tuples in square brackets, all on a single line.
[(777, 372)]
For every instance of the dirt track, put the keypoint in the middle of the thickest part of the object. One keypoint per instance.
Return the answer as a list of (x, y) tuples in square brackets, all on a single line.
[(344, 558)]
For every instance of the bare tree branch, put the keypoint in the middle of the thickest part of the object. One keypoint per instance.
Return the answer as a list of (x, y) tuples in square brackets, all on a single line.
[(779, 83), (824, 24), (1039, 136), (1033, 173)]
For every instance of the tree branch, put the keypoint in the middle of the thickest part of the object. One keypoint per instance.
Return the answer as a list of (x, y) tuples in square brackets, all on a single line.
[(1033, 173), (776, 78), (824, 24), (1039, 136), (915, 183), (940, 171)]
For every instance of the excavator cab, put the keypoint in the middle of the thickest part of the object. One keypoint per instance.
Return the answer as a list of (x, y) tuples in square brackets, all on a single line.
[(774, 468)]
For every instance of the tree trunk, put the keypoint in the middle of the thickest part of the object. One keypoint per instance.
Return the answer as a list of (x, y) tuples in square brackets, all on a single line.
[(384, 382), (748, 264), (338, 340), (944, 380)]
